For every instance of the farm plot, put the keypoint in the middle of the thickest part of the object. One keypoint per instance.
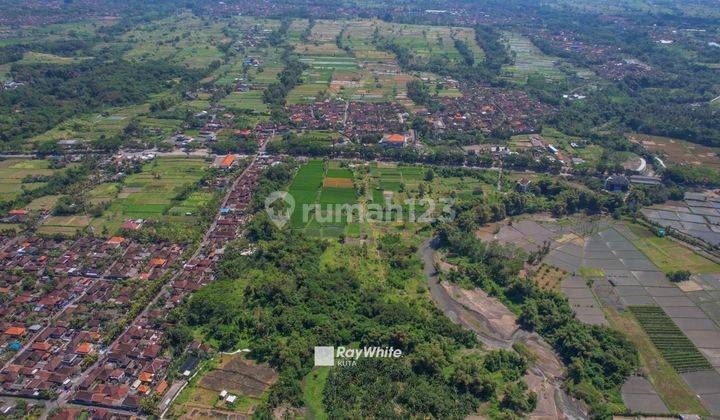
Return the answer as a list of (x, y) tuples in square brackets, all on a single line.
[(64, 225), (150, 194), (234, 375), (675, 347), (183, 39), (13, 171), (431, 41), (250, 100), (321, 195), (530, 60)]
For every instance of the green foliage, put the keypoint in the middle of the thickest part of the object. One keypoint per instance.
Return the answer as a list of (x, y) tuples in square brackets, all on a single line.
[(678, 276), (599, 359), (55, 92)]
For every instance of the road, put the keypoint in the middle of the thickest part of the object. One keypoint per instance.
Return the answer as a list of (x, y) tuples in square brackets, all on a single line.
[(66, 395), (50, 320)]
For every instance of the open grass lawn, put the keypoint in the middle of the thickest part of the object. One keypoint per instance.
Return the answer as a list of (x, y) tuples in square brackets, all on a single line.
[(250, 100), (313, 386), (674, 346), (669, 255), (12, 172), (674, 391), (150, 194)]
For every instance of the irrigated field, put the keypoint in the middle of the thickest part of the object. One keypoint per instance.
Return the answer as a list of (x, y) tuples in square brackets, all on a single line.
[(13, 171), (530, 60), (675, 347), (152, 194), (320, 192)]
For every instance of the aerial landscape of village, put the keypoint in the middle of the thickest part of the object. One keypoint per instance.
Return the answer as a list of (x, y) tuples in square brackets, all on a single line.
[(321, 209)]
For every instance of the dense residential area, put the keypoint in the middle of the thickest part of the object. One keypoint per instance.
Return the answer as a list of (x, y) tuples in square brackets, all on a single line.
[(321, 209)]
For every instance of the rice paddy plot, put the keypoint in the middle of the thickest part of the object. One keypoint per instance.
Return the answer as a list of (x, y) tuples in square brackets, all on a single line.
[(324, 199), (13, 171), (675, 347), (251, 100), (150, 194), (64, 225), (529, 59)]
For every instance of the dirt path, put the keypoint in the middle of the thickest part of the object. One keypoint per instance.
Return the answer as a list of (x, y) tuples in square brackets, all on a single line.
[(496, 327)]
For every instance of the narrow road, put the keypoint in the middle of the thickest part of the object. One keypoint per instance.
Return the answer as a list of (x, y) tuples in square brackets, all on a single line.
[(66, 395)]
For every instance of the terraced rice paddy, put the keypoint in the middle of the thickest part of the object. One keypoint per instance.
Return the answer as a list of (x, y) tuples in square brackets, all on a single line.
[(320, 191), (675, 347)]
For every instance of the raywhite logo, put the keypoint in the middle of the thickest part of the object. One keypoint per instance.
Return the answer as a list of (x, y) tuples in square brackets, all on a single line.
[(325, 355), (280, 206)]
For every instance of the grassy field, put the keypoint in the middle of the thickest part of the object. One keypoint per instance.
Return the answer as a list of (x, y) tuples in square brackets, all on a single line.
[(250, 100), (669, 255), (674, 391), (675, 347), (182, 39), (313, 386), (43, 203), (112, 121), (12, 172), (679, 151)]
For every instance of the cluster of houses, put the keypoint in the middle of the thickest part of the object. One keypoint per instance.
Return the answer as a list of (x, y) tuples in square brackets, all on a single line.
[(608, 61), (10, 85), (327, 115), (485, 108), (352, 119), (134, 365), (61, 298)]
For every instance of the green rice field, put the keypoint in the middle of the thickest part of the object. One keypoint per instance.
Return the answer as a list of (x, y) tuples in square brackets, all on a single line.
[(675, 347)]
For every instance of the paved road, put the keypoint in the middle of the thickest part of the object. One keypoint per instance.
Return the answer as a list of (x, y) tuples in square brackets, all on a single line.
[(65, 395)]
